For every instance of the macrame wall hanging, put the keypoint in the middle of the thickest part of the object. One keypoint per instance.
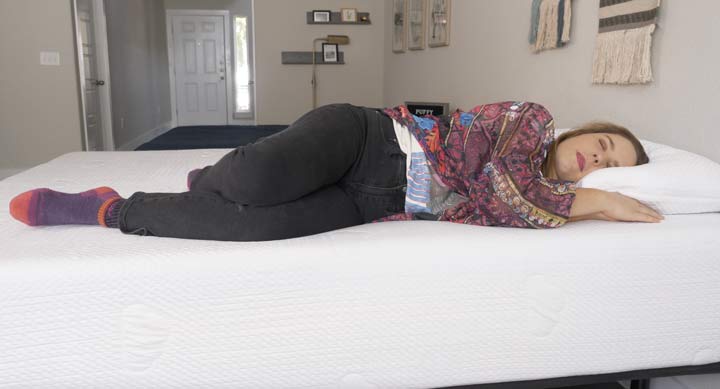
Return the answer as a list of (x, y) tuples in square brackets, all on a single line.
[(550, 24), (622, 48)]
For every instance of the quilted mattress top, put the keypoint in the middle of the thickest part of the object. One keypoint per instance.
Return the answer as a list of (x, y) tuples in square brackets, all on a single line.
[(372, 306)]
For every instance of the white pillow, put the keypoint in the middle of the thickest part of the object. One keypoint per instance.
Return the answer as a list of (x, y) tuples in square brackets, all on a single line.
[(673, 182)]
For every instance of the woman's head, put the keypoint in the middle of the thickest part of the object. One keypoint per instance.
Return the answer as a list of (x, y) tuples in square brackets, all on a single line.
[(596, 145)]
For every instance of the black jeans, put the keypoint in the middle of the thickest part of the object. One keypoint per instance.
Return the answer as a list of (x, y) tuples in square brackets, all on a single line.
[(336, 166)]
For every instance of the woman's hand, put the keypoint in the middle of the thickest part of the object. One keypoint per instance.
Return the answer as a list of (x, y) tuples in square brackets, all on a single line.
[(596, 204), (619, 207)]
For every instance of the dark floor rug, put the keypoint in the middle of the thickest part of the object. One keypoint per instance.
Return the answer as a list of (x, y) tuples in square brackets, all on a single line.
[(210, 137)]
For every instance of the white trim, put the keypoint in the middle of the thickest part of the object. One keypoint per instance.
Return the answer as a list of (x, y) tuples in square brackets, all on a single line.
[(248, 116), (146, 137), (81, 75), (229, 64), (103, 65), (171, 67), (254, 61), (229, 69)]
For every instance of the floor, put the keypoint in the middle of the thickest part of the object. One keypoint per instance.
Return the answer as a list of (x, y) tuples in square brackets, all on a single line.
[(209, 137)]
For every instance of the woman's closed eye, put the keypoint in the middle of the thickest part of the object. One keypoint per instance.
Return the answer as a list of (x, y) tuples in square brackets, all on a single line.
[(604, 147)]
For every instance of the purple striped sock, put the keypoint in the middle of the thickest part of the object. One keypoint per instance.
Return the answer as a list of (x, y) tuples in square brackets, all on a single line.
[(46, 207)]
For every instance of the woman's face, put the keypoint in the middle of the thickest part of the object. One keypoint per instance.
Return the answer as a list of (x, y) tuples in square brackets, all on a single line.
[(581, 155)]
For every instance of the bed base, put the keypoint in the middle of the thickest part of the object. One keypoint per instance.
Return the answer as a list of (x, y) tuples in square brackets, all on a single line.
[(640, 379)]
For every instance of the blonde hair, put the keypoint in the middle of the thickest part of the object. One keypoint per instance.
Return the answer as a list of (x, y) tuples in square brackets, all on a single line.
[(595, 128)]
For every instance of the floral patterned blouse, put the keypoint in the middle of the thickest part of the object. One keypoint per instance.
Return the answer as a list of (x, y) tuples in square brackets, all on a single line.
[(492, 155)]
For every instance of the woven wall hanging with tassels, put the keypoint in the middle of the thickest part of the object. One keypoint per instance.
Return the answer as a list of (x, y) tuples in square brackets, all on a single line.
[(550, 24), (622, 48)]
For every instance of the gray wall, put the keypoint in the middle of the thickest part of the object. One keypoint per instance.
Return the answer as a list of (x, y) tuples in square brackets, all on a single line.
[(236, 7), (284, 91), (489, 60), (39, 105), (140, 82)]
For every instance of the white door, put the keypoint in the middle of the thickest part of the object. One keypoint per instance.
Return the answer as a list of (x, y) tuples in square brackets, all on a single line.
[(200, 82), (93, 51)]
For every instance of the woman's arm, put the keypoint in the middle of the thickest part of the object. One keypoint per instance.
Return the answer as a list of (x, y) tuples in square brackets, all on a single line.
[(596, 204), (588, 202)]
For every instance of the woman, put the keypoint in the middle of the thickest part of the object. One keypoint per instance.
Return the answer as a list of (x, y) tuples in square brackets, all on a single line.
[(342, 165)]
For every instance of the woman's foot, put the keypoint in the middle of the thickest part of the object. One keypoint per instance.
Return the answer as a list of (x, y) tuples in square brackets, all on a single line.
[(46, 207)]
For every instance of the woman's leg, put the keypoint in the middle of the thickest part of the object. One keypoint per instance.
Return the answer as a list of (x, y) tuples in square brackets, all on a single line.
[(206, 215), (315, 151)]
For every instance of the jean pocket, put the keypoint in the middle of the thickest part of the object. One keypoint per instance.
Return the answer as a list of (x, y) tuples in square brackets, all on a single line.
[(374, 202)]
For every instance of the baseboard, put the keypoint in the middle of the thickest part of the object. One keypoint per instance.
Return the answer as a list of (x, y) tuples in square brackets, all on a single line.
[(146, 137), (5, 173)]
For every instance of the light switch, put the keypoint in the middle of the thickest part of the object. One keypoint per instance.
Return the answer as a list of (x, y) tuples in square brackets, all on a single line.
[(50, 58)]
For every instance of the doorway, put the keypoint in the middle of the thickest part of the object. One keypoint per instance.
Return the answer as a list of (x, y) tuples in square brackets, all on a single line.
[(93, 73), (199, 58)]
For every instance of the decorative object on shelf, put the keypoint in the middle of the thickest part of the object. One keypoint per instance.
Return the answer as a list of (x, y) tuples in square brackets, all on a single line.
[(424, 108), (416, 24), (330, 52), (330, 39), (345, 16), (550, 24), (321, 16), (439, 28), (624, 42), (348, 15), (398, 45)]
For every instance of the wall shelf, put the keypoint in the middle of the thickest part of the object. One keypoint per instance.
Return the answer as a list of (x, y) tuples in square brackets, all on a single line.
[(336, 19), (305, 58)]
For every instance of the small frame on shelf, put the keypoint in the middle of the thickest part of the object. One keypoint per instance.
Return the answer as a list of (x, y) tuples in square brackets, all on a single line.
[(321, 16), (330, 52), (348, 15)]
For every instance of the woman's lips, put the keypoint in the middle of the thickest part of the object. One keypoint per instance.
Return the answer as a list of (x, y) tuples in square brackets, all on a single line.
[(581, 161)]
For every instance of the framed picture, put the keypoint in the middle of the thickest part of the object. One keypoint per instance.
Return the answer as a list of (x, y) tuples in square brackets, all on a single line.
[(330, 52), (321, 16), (439, 26), (398, 20), (416, 24), (348, 14)]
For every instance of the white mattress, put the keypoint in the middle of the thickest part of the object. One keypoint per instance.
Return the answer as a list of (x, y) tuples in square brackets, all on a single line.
[(403, 304)]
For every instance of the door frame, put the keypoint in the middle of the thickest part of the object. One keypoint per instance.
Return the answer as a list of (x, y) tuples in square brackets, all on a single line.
[(103, 65), (244, 118), (229, 64)]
